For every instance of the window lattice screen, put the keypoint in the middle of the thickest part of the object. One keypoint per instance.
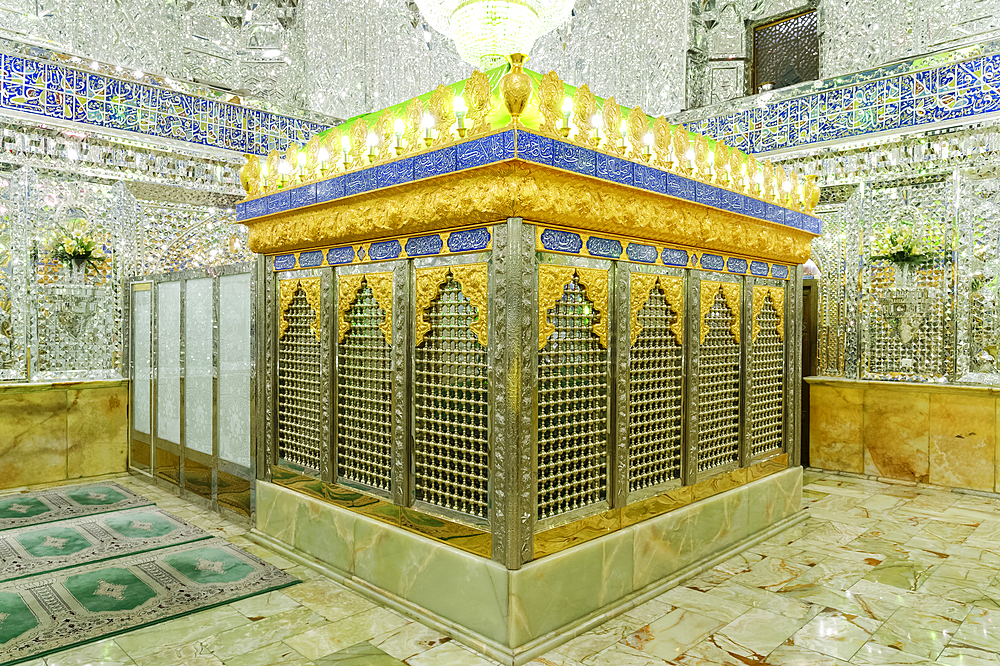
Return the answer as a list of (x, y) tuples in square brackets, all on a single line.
[(450, 433), (364, 390), (298, 387), (718, 390), (655, 396), (786, 52), (572, 409), (767, 383)]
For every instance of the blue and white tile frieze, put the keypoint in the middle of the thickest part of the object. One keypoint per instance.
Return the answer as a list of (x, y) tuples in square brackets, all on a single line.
[(603, 247), (284, 262), (423, 245), (643, 253), (311, 259), (713, 262), (561, 241), (469, 240), (384, 250), (674, 257), (340, 255)]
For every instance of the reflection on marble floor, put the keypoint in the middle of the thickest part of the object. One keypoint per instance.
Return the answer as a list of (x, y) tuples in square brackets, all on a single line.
[(879, 574)]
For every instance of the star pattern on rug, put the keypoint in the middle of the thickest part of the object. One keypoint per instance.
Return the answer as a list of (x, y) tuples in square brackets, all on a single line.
[(106, 589), (54, 542), (19, 508), (211, 565), (141, 525), (97, 496)]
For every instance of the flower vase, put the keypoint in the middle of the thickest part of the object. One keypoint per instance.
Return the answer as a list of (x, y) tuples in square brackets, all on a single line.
[(78, 271), (515, 86), (904, 276)]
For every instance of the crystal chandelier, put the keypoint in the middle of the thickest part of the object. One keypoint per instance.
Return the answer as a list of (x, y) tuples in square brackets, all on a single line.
[(486, 31)]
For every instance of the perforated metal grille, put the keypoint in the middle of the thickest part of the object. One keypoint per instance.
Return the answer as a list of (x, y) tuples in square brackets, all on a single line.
[(655, 398), (786, 52), (572, 409), (450, 429), (364, 390), (766, 383), (298, 388), (718, 390)]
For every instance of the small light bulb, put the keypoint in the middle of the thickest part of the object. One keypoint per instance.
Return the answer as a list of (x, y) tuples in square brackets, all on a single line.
[(323, 155), (648, 138), (597, 122), (301, 159), (372, 140), (428, 121), (567, 106), (284, 168), (399, 127), (345, 143), (460, 107)]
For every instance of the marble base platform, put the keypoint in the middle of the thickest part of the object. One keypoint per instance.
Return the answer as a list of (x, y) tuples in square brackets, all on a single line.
[(941, 435), (62, 431), (512, 616)]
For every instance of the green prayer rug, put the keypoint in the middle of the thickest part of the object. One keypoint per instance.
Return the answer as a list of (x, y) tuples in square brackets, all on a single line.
[(44, 614), (30, 551), (46, 506)]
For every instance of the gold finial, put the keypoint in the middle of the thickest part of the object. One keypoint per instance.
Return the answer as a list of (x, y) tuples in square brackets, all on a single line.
[(736, 171), (273, 177), (612, 114), (550, 99), (250, 175), (583, 110), (359, 141), (383, 130), (515, 87), (701, 153), (311, 170), (752, 187), (810, 194), (767, 188)]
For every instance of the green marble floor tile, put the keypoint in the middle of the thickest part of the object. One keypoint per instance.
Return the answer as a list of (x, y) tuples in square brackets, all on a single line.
[(450, 654), (265, 605), (880, 655), (362, 654), (409, 640), (835, 633), (248, 637), (335, 636), (902, 633), (671, 635), (269, 655), (105, 653), (180, 631)]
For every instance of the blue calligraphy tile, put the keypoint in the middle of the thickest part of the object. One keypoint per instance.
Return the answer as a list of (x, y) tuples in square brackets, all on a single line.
[(708, 195), (284, 262), (561, 241), (643, 253), (774, 213), (303, 196), (484, 150), (712, 262), (359, 181), (780, 272), (424, 245), (384, 250), (340, 255), (673, 257), (574, 158), (534, 148), (759, 268), (277, 203), (469, 240), (311, 259), (812, 224), (649, 178), (330, 189), (434, 163), (614, 169), (240, 211), (732, 201), (736, 265), (256, 208), (679, 186), (394, 173), (604, 247)]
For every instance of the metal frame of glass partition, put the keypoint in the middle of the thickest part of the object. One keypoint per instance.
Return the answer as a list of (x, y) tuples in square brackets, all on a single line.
[(193, 389)]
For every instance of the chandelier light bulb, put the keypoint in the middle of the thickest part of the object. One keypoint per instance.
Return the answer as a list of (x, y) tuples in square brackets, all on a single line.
[(567, 107), (398, 127), (487, 31)]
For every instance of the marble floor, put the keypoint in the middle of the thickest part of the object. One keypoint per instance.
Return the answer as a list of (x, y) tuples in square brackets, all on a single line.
[(878, 574)]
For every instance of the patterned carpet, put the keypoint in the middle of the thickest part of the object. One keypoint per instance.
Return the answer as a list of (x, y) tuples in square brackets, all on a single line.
[(105, 574)]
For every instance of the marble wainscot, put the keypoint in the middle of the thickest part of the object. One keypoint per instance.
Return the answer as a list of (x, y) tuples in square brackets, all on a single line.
[(62, 431), (937, 434), (514, 380)]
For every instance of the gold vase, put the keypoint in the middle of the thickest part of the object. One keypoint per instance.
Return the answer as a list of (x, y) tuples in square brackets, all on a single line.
[(515, 86)]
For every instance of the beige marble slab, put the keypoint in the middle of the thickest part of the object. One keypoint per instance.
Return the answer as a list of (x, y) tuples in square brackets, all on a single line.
[(896, 434), (836, 419), (97, 431), (962, 441), (33, 444)]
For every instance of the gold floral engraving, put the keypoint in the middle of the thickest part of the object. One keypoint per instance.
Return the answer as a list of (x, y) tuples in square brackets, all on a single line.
[(595, 281), (636, 127), (441, 106), (584, 107), (703, 168), (612, 113), (286, 294), (537, 193), (640, 287), (731, 294), (359, 143), (552, 281), (663, 138), (383, 130), (721, 161), (673, 290), (550, 99), (473, 278), (682, 144), (777, 294), (311, 170), (426, 288), (381, 284), (348, 287), (413, 116), (271, 179), (479, 100)]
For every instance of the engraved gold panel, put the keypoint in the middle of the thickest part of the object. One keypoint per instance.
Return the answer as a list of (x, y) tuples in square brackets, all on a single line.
[(348, 287), (731, 293), (673, 290), (286, 292), (427, 285), (551, 281), (760, 294), (640, 286), (473, 278)]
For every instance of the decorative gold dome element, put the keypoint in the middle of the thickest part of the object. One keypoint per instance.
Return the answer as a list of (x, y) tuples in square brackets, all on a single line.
[(515, 86)]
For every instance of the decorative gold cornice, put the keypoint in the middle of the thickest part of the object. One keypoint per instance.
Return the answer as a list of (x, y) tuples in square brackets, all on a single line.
[(731, 294), (673, 290), (584, 107), (538, 194), (550, 99), (473, 278), (640, 287), (595, 281), (760, 294), (479, 100), (286, 294), (552, 281), (427, 286), (347, 294)]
